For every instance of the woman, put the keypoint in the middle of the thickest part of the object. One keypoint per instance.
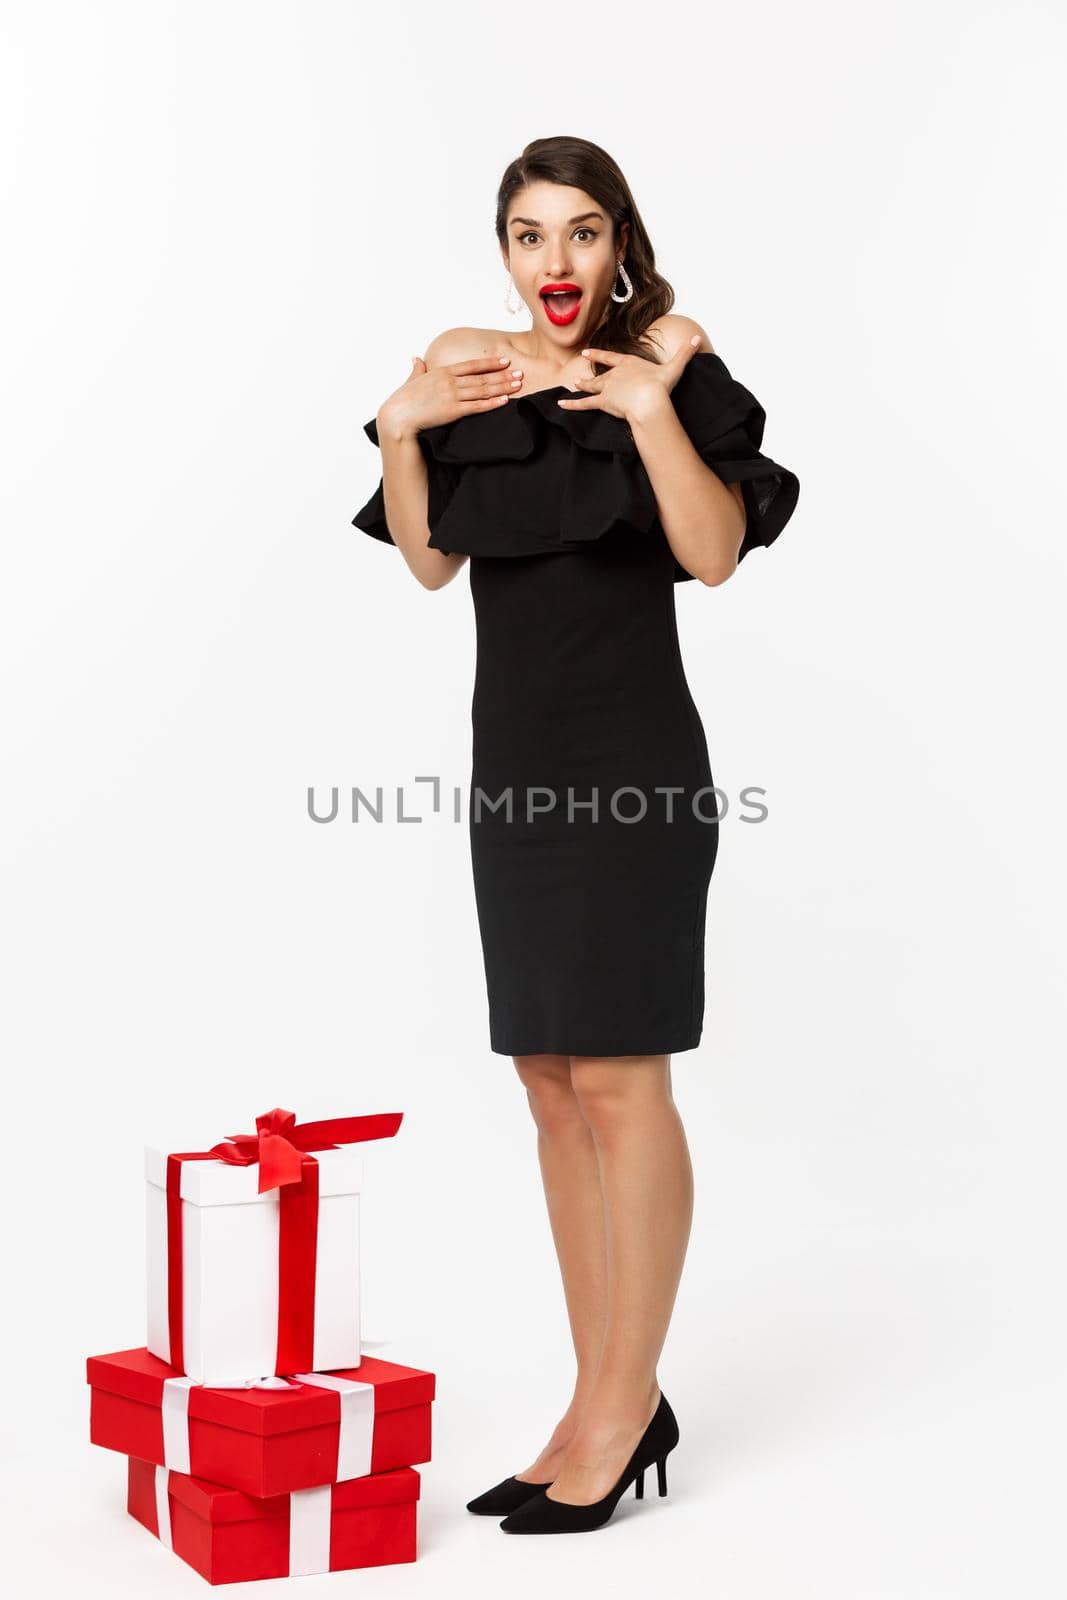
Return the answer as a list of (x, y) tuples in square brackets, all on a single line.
[(582, 468)]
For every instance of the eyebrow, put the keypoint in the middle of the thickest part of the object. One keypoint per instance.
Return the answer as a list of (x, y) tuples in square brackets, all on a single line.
[(531, 223)]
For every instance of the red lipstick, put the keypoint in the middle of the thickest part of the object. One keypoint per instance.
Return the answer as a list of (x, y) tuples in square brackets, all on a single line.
[(561, 302)]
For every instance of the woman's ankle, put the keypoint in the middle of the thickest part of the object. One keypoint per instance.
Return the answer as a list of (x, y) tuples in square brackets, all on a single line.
[(553, 1451), (622, 1403)]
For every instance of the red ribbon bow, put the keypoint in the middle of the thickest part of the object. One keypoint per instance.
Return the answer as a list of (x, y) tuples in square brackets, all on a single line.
[(280, 1143), (282, 1147)]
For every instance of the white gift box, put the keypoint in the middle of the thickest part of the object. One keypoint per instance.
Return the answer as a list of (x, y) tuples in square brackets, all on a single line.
[(230, 1268)]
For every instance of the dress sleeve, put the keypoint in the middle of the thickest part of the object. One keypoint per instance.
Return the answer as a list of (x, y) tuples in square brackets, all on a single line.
[(442, 479), (725, 423)]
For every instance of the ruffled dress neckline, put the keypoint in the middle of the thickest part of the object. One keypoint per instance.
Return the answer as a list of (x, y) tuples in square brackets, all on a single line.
[(582, 479)]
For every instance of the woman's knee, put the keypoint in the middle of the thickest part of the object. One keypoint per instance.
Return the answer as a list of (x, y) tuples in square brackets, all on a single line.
[(547, 1081), (613, 1091)]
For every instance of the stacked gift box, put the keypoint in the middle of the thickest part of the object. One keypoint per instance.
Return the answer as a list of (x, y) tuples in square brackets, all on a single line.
[(260, 1441)]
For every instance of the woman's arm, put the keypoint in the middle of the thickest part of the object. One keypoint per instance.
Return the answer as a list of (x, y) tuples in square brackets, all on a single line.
[(450, 383), (405, 488), (704, 519)]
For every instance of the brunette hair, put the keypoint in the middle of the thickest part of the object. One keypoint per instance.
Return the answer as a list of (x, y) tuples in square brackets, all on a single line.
[(579, 164)]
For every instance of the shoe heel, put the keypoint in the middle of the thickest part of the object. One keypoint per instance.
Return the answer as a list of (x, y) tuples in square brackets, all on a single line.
[(639, 1485), (661, 1473)]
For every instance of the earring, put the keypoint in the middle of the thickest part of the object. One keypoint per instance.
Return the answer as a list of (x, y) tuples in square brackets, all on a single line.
[(514, 310), (622, 298)]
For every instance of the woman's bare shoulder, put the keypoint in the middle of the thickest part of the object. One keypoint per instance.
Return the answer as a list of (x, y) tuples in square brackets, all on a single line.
[(673, 330), (465, 344)]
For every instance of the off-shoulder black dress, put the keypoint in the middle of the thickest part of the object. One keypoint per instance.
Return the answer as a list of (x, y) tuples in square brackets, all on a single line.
[(593, 822)]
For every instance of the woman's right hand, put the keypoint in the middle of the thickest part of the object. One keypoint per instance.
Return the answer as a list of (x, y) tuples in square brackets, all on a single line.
[(428, 398)]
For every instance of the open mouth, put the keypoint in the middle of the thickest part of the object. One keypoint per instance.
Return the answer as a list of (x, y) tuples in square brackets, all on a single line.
[(561, 302)]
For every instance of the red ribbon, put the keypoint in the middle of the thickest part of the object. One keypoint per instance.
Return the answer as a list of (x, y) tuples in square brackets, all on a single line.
[(282, 1148)]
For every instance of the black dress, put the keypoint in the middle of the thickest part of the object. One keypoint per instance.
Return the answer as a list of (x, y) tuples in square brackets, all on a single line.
[(591, 885)]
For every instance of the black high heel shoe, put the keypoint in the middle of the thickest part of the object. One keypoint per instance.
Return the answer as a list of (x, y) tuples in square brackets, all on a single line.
[(539, 1514), (507, 1495)]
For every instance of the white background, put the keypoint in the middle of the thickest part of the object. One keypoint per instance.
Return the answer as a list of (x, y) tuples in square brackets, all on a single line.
[(229, 226)]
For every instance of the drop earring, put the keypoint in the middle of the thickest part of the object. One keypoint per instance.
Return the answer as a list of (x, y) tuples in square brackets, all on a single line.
[(514, 310), (622, 298)]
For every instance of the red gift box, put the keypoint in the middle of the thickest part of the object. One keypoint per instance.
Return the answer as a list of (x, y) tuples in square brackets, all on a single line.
[(264, 1441), (230, 1537)]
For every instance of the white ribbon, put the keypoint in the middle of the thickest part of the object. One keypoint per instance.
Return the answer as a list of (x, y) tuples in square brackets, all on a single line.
[(356, 1421), (176, 1423), (163, 1507), (309, 1530), (355, 1411)]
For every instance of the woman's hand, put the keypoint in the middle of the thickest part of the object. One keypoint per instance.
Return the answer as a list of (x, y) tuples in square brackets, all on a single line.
[(633, 387), (428, 398)]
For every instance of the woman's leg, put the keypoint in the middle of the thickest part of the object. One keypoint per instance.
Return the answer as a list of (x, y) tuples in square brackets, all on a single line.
[(571, 1176), (647, 1181)]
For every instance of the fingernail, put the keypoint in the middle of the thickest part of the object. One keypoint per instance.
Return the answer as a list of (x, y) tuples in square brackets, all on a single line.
[(504, 360)]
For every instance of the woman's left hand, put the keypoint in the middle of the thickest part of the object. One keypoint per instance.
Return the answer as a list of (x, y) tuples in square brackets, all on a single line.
[(633, 386)]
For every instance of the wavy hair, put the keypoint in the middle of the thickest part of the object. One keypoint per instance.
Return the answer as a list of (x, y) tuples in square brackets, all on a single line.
[(579, 164)]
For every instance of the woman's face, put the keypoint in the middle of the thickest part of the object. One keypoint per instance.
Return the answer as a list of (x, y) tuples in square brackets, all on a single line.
[(558, 235)]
